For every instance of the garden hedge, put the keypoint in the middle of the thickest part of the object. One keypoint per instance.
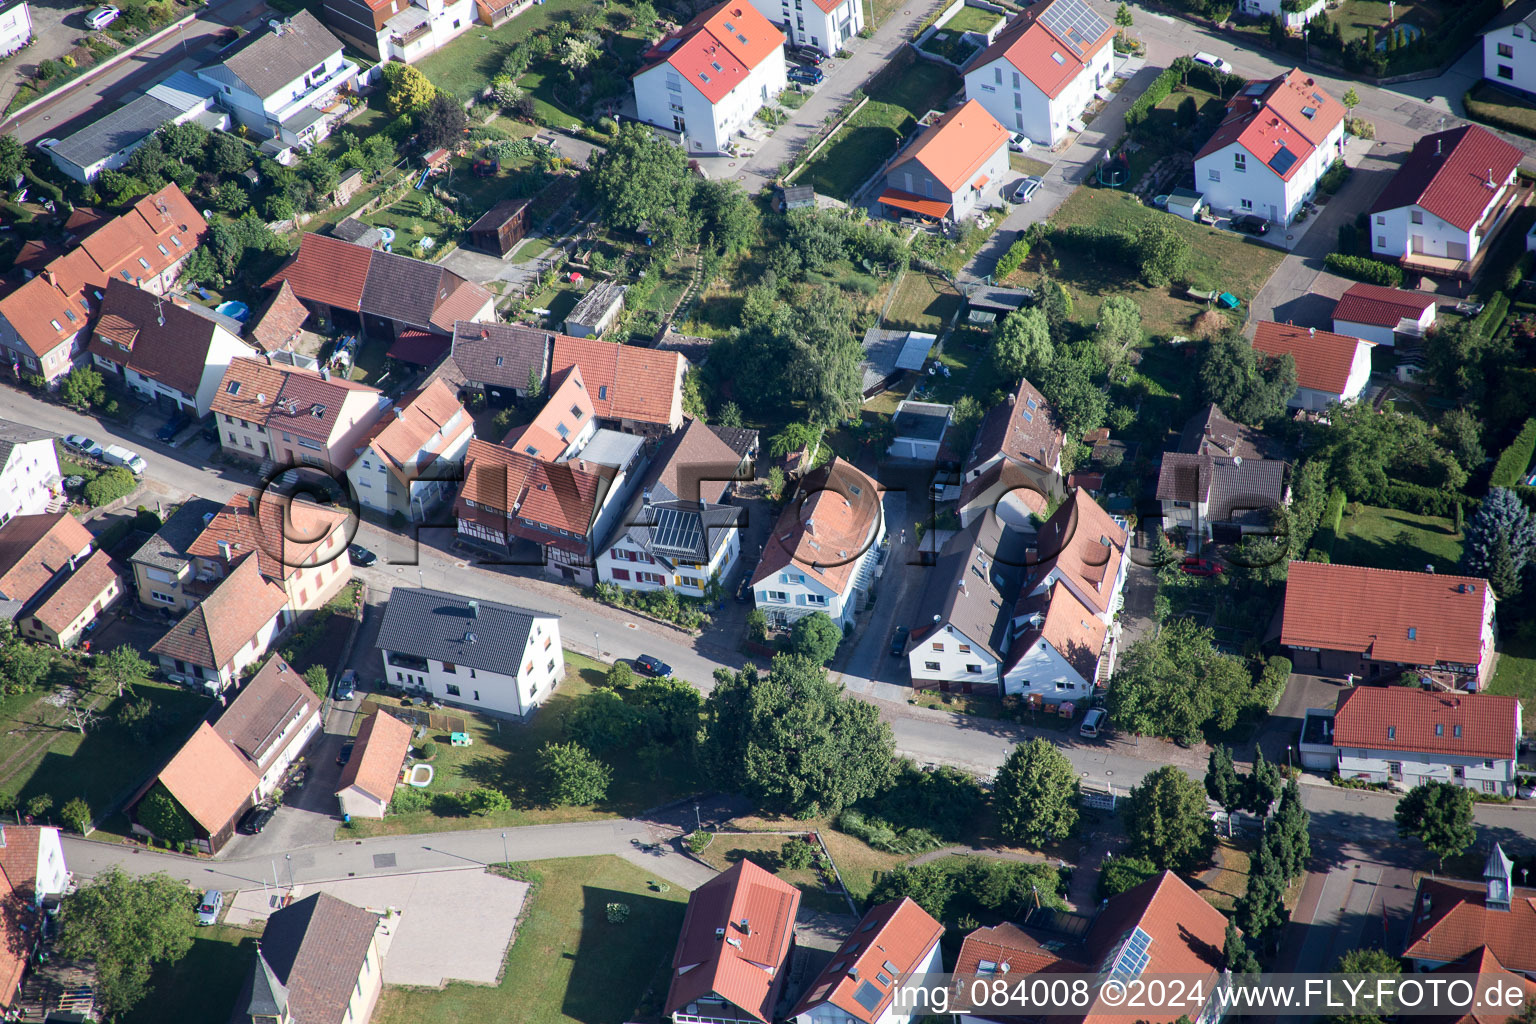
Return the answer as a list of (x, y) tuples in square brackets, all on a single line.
[(1158, 91), (1363, 269), (1328, 530), (1421, 500), (1515, 460)]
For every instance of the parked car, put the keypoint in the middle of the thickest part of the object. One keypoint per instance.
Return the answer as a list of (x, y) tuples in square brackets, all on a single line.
[(805, 75), (1201, 567), (1467, 308), (171, 427), (744, 589), (1250, 224), (1019, 142), (255, 820), (101, 17), (117, 455), (1027, 189), (346, 686), (346, 753), (208, 909), (82, 444), (1210, 60), (805, 55), (210, 431), (361, 555), (652, 666), (899, 641), (1093, 721)]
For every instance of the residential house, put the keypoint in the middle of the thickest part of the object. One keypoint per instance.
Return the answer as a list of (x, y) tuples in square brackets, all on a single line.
[(272, 413), (961, 626), (171, 354), (1161, 928), (733, 955), (1276, 141), (52, 585), (379, 294), (408, 463), (501, 361), (15, 26), (29, 471), (279, 82), (281, 323), (743, 442), (32, 871), (1061, 650), (824, 549), (1331, 369), (1377, 623), (43, 323), (1406, 736), (891, 940), (108, 142), (1509, 46), (227, 631), (403, 30), (566, 508), (636, 390), (1084, 547), (368, 779), (889, 354), (563, 427), (482, 655), (318, 962), (1491, 975), (680, 533), (596, 311), (1378, 315), (1016, 456), (918, 430), (1292, 17), (1043, 69), (945, 173), (164, 562), (824, 25), (1221, 482), (1453, 919), (297, 544), (499, 229), (706, 80), (1453, 191)]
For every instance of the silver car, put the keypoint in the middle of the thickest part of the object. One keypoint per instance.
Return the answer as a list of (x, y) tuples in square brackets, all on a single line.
[(1027, 189)]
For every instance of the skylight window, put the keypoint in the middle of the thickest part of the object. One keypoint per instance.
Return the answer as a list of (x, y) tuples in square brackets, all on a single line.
[(1456, 731), (1029, 417), (1439, 728), (71, 314), (1309, 112), (498, 360), (729, 27), (1057, 57), (703, 77), (176, 241), (1031, 403), (233, 387), (531, 450), (127, 277), (1391, 732), (143, 262), (56, 325), (1133, 956), (163, 250), (741, 37), (716, 65)]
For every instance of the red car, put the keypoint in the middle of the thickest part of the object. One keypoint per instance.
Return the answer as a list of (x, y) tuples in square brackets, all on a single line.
[(1201, 567)]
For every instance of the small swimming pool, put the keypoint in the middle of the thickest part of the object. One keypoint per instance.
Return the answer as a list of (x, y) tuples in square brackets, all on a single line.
[(419, 776), (235, 310)]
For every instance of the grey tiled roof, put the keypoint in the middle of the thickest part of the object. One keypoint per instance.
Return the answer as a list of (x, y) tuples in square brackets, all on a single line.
[(316, 949), (1238, 489), (167, 549), (270, 59), (435, 624), (123, 128), (12, 434), (476, 348), (971, 589)]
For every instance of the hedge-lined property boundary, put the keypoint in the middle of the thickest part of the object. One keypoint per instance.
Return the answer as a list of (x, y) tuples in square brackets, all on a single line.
[(1515, 460)]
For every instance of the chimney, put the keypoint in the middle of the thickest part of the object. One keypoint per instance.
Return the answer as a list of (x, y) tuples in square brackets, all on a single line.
[(1311, 332), (746, 926), (224, 550), (474, 609), (1438, 143), (325, 373), (399, 413), (1490, 178)]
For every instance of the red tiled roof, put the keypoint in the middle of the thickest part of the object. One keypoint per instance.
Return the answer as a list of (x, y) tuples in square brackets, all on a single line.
[(406, 439), (1007, 944), (34, 548), (1069, 626), (210, 779), (1381, 307), (1073, 542), (955, 147), (280, 324), (289, 398), (83, 586), (892, 939), (1265, 120), (1412, 618), (1490, 972), (827, 529), (935, 208), (1458, 922), (509, 483), (1024, 428), (283, 532), (166, 342), (626, 382), (542, 438), (1323, 359), (211, 634), (1045, 58), (326, 270), (382, 743), (1447, 174), (746, 970), (1474, 725), (716, 51)]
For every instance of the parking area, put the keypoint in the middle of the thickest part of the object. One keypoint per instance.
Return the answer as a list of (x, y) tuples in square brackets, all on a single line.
[(451, 925)]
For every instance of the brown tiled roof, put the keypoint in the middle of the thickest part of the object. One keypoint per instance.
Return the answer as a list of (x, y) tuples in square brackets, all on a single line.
[(382, 743), (1382, 307), (166, 342), (225, 621), (892, 939), (462, 301), (698, 466), (1323, 359), (553, 495), (419, 416), (1073, 540), (1013, 478), (316, 947), (248, 389), (76, 593), (1413, 618), (1024, 428), (13, 959), (1447, 174), (824, 532), (1007, 944), (280, 324), (327, 271), (1490, 972), (18, 855), (1404, 718), (626, 382), (705, 963), (33, 548), (210, 779), (501, 354), (1458, 922), (267, 60), (283, 533), (408, 290), (257, 717), (1211, 430), (1071, 628), (285, 397), (1237, 488)]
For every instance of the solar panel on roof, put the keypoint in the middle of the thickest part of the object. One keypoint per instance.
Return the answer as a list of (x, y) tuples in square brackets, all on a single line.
[(1283, 160), (677, 530), (1133, 955), (868, 996), (1074, 23)]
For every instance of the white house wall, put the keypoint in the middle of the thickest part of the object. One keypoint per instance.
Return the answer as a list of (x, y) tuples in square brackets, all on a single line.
[(1042, 670), (932, 962), (302, 730), (950, 656), (1495, 776), (1509, 56), (26, 477), (1258, 189), (514, 694), (612, 558), (808, 25), (1369, 332), (52, 870), (707, 127), (1395, 233), (1009, 96), (15, 29)]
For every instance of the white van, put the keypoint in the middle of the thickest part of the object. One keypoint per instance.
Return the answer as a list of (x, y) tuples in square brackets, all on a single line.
[(117, 455), (1092, 722)]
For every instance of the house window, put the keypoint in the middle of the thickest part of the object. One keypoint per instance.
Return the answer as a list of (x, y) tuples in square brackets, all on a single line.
[(1459, 773), (1213, 174), (576, 412), (1240, 162), (1506, 50), (997, 75), (1015, 79), (1246, 204), (453, 691), (1506, 72), (813, 598), (938, 647), (620, 574), (449, 668), (1381, 241), (777, 595), (965, 648), (1416, 216), (1488, 765), (973, 669), (1487, 785), (931, 666)]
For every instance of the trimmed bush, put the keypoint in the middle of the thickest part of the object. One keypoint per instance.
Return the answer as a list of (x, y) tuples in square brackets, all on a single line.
[(1492, 317), (797, 854), (1515, 460), (115, 483), (1012, 260), (1158, 91), (1363, 269), (1421, 500), (1328, 530)]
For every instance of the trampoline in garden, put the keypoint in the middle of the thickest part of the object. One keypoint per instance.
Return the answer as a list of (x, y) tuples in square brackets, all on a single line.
[(1113, 173)]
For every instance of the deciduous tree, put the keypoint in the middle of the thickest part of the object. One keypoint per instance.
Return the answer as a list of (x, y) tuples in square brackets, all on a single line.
[(1166, 820), (1369, 961), (1162, 254), (441, 122), (1036, 794), (638, 177), (1250, 386), (1022, 344), (815, 637), (571, 775), (1438, 814), (407, 90), (116, 671), (126, 924)]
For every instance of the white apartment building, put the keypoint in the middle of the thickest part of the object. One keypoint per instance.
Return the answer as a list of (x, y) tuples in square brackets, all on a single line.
[(824, 25), (15, 26), (29, 471), (1509, 47)]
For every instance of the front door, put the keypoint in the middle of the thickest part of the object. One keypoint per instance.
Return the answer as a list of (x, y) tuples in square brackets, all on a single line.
[(1417, 243)]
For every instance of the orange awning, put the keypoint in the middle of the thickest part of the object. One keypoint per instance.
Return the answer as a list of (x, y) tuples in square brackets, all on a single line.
[(980, 183), (935, 208)]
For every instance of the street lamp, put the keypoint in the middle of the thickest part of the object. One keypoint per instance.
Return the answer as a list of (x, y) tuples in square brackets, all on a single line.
[(597, 644), (289, 858), (504, 858)]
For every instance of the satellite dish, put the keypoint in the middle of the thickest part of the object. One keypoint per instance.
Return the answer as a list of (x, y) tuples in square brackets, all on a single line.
[(207, 215)]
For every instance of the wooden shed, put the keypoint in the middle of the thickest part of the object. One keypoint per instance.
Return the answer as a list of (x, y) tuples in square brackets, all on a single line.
[(501, 227)]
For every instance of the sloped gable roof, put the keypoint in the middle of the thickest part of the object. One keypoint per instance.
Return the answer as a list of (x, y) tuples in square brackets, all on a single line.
[(274, 57), (1447, 174), (626, 382), (209, 779), (35, 547), (1024, 428), (501, 354), (1050, 43), (1381, 307), (1323, 359), (1086, 545), (282, 532), (382, 743), (281, 323), (892, 939), (957, 146), (316, 948), (258, 716), (406, 439), (211, 633), (835, 518), (1280, 122), (77, 592), (718, 49), (166, 342), (1402, 718), (1454, 920)]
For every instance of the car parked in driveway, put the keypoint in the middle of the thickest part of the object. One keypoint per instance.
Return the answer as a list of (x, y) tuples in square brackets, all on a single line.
[(210, 905), (1250, 224), (652, 666), (1027, 189), (1200, 567), (1093, 721), (346, 686), (899, 641), (805, 55), (1019, 142), (101, 17), (255, 820), (171, 427), (82, 444), (805, 75), (1469, 308), (346, 753)]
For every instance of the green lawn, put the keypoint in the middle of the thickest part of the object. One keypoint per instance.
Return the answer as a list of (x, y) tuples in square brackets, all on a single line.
[(412, 225), (202, 985), (502, 756), (954, 47), (1385, 538), (726, 849), (879, 127), (1218, 259), (568, 964), (1027, 165), (529, 247), (1515, 674), (972, 19), (922, 303), (1435, 18), (1486, 100)]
